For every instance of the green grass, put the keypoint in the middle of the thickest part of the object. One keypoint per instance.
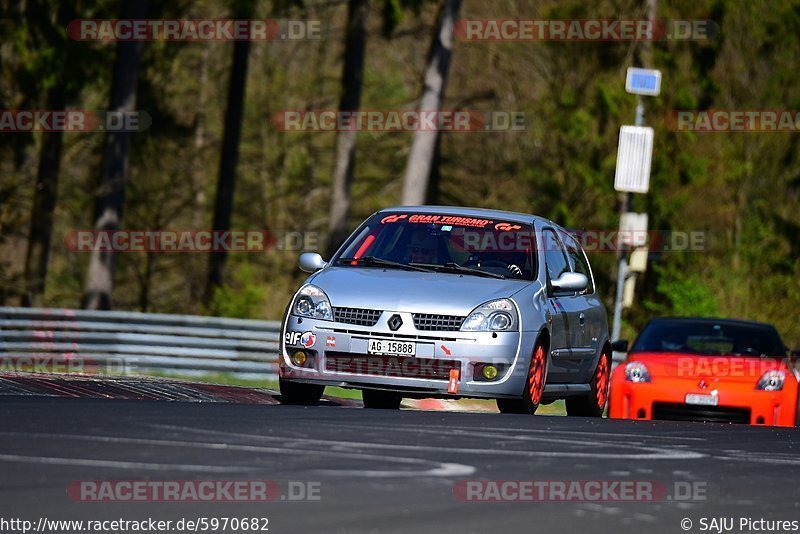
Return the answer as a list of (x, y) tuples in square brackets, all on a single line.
[(557, 408)]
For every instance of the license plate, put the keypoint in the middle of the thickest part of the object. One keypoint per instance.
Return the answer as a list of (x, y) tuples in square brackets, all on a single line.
[(385, 346), (702, 400)]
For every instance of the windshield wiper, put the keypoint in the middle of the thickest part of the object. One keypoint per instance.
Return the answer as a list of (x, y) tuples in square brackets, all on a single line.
[(453, 266), (372, 260)]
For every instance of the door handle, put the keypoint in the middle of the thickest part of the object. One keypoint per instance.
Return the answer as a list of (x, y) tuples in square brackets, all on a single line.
[(582, 318)]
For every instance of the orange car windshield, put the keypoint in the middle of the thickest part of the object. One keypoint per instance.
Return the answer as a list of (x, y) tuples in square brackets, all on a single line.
[(710, 338)]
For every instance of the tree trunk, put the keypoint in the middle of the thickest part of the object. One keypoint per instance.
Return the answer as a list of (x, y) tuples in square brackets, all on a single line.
[(352, 80), (196, 280), (147, 280), (223, 205), (420, 160), (434, 193), (114, 174), (45, 193), (44, 204)]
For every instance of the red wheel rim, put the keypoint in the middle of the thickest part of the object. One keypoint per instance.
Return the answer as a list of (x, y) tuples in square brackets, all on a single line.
[(601, 382), (536, 375)]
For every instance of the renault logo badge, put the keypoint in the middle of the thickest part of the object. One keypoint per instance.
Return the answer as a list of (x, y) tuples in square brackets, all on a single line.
[(395, 322)]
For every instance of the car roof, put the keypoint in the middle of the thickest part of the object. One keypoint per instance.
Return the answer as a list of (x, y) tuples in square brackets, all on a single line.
[(471, 212), (720, 320)]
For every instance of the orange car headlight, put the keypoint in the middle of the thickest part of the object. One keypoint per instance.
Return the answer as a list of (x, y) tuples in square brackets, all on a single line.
[(771, 381), (636, 372)]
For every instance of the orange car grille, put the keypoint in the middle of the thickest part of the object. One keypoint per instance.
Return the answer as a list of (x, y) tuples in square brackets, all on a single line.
[(686, 412)]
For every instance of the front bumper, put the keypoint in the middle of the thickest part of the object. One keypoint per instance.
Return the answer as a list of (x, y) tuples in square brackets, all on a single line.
[(738, 402), (338, 356)]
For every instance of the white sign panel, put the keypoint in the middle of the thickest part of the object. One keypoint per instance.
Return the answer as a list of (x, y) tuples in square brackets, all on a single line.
[(638, 261), (643, 81), (634, 156), (633, 229), (628, 291)]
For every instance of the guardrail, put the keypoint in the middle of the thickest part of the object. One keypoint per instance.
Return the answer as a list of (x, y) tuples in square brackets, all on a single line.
[(133, 342)]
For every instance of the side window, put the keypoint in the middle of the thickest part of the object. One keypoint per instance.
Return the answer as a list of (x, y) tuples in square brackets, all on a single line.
[(577, 260), (554, 255)]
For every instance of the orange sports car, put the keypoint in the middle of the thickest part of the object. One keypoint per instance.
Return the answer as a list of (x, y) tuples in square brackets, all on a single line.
[(717, 370)]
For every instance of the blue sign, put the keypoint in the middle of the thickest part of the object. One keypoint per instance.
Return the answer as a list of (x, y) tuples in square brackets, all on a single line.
[(643, 81)]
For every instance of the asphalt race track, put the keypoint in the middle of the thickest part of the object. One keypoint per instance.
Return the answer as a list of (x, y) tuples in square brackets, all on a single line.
[(379, 471)]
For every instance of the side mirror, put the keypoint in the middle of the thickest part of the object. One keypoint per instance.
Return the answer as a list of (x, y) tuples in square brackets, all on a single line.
[(570, 283), (311, 262), (794, 356), (619, 345)]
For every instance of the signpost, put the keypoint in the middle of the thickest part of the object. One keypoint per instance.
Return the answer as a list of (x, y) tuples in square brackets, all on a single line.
[(634, 157)]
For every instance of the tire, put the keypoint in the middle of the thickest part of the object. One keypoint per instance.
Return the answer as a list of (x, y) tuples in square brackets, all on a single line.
[(300, 394), (534, 385), (380, 400), (594, 404)]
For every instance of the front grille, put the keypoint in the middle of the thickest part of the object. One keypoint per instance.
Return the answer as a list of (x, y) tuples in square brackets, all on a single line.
[(432, 321), (359, 316), (689, 412), (390, 366)]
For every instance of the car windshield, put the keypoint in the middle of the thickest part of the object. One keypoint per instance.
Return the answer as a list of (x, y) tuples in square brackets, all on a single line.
[(710, 338), (443, 243)]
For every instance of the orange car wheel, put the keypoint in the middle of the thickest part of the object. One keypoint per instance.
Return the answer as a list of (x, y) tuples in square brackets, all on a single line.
[(534, 384), (594, 403)]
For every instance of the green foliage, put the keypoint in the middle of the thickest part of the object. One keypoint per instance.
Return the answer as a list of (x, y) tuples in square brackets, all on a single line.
[(393, 12), (683, 294), (241, 299)]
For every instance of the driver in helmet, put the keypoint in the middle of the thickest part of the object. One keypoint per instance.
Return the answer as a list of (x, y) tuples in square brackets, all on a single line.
[(422, 248)]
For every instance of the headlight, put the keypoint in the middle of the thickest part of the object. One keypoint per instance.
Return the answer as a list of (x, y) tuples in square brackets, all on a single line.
[(771, 381), (312, 302), (493, 316), (637, 372)]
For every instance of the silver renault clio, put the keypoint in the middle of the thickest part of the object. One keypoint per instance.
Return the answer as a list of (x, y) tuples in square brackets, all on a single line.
[(434, 301)]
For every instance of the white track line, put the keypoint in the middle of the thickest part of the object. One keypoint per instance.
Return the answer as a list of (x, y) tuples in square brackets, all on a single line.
[(651, 453), (439, 469), (116, 464)]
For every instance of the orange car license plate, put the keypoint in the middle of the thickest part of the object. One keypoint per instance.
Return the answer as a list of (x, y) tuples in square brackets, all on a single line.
[(702, 400)]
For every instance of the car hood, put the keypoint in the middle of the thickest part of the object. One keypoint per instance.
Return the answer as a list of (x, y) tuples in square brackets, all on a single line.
[(695, 366), (411, 291)]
